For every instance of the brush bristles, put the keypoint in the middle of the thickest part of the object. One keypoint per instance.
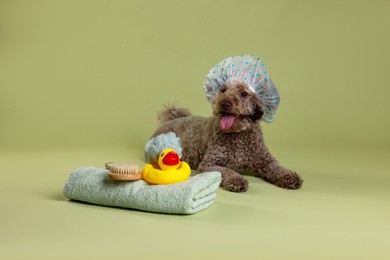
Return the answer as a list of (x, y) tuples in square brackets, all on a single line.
[(131, 169), (123, 172)]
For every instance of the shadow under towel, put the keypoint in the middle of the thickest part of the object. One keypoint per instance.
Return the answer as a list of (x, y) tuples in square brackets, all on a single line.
[(92, 185)]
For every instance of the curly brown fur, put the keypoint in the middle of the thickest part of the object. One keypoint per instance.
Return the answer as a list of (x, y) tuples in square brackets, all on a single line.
[(170, 112), (230, 141)]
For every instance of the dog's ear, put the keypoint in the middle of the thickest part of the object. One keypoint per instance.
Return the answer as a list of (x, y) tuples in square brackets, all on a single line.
[(257, 113)]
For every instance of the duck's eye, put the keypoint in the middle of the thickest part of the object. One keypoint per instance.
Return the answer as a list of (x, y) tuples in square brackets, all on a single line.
[(244, 94), (162, 154)]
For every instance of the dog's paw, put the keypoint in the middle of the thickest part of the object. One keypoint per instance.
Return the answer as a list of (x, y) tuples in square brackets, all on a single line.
[(235, 184), (290, 180)]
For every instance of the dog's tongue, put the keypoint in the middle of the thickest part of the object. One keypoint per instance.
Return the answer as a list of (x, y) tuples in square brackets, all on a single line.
[(227, 121)]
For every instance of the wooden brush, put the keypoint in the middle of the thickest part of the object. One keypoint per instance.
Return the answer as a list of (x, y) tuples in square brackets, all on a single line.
[(123, 171)]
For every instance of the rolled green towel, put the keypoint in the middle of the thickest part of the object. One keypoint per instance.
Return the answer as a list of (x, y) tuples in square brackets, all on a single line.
[(92, 185)]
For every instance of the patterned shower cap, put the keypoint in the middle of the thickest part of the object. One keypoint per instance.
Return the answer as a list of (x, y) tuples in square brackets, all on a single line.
[(159, 143), (251, 70)]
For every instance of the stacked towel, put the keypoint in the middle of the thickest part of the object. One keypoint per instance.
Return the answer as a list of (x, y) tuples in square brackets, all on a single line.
[(89, 184)]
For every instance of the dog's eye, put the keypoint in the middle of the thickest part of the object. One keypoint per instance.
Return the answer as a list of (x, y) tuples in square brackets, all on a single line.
[(223, 90), (244, 94)]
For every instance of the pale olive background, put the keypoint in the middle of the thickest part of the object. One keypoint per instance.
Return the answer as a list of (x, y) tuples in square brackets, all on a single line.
[(81, 83)]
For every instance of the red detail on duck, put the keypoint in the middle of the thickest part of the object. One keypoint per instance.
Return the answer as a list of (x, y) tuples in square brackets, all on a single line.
[(171, 159)]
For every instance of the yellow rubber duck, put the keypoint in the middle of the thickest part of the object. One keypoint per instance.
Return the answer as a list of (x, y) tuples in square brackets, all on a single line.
[(171, 169)]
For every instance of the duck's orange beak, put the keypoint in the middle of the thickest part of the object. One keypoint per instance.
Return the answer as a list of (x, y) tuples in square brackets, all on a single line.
[(171, 159)]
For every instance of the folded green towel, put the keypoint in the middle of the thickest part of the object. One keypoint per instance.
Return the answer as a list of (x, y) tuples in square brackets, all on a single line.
[(92, 185)]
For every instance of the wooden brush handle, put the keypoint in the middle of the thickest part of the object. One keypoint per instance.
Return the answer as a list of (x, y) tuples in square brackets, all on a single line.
[(124, 177)]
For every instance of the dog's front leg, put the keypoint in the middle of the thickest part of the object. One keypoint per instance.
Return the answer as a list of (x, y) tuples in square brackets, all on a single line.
[(231, 180), (269, 169)]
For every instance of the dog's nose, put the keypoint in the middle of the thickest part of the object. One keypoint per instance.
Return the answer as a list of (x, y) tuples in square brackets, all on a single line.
[(226, 105)]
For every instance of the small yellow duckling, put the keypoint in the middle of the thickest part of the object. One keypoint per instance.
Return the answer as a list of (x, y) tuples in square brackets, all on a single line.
[(171, 169)]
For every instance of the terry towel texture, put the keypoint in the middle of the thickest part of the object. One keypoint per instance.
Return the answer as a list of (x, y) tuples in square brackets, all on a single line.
[(89, 184)]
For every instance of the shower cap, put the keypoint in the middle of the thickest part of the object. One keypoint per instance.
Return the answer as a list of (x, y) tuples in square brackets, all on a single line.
[(251, 70), (159, 143)]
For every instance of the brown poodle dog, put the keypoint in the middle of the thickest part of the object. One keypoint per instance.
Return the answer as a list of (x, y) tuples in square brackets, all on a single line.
[(230, 141)]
